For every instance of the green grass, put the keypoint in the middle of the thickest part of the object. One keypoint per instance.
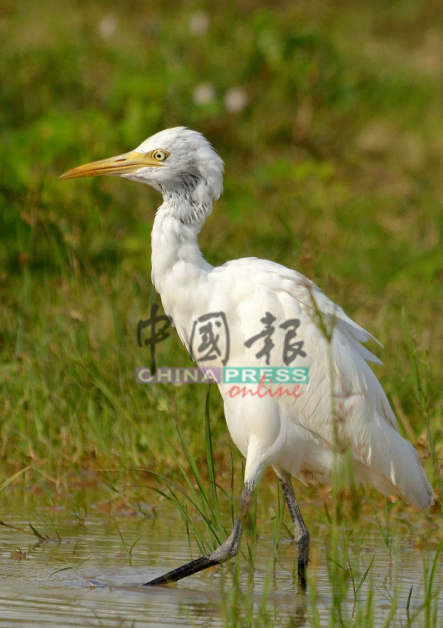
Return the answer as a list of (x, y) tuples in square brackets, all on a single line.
[(333, 167)]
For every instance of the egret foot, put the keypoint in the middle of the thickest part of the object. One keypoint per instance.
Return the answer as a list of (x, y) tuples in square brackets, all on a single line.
[(227, 550), (301, 532)]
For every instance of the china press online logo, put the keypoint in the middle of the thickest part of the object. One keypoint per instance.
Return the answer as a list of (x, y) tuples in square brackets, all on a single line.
[(210, 341), (255, 375)]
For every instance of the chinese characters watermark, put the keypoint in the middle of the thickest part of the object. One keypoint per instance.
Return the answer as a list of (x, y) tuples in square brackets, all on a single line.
[(156, 336), (210, 341), (210, 329)]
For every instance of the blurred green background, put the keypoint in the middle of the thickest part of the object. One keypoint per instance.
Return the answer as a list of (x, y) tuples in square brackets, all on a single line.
[(329, 116)]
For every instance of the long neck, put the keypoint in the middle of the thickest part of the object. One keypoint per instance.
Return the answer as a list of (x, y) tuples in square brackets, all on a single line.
[(174, 239)]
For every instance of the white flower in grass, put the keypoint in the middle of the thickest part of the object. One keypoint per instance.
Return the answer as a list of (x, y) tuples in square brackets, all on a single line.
[(236, 99), (199, 23), (203, 94), (108, 26)]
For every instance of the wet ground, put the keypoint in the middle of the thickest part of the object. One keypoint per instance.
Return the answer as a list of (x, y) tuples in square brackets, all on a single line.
[(86, 574)]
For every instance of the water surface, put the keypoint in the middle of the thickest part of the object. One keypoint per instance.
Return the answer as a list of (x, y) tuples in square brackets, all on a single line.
[(86, 575)]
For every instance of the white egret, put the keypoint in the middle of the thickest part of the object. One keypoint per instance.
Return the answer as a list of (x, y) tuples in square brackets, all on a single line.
[(291, 433)]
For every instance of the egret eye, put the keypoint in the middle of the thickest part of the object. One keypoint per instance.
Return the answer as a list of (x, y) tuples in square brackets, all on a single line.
[(160, 155)]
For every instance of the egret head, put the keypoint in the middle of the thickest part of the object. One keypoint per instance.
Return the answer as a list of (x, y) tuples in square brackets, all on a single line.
[(178, 162)]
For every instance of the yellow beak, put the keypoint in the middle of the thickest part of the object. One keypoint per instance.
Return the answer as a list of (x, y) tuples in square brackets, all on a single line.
[(129, 162)]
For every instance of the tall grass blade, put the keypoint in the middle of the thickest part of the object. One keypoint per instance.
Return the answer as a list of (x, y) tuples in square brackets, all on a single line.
[(210, 462)]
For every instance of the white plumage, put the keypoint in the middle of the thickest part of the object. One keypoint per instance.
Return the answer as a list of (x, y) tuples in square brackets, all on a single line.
[(290, 434)]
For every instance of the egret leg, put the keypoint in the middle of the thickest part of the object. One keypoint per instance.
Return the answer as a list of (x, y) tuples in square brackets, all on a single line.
[(227, 550), (301, 531)]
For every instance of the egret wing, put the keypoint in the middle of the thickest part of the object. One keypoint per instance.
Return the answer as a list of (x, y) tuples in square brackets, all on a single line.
[(343, 398)]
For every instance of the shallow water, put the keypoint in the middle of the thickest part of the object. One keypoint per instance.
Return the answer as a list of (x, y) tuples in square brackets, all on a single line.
[(46, 583)]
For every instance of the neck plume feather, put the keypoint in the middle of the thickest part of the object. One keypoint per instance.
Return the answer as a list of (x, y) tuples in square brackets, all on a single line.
[(190, 201), (176, 226)]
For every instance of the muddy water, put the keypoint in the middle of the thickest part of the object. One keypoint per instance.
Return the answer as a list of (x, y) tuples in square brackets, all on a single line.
[(85, 574)]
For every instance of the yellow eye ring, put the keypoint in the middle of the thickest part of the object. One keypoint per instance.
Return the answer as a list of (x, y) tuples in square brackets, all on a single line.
[(159, 155)]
